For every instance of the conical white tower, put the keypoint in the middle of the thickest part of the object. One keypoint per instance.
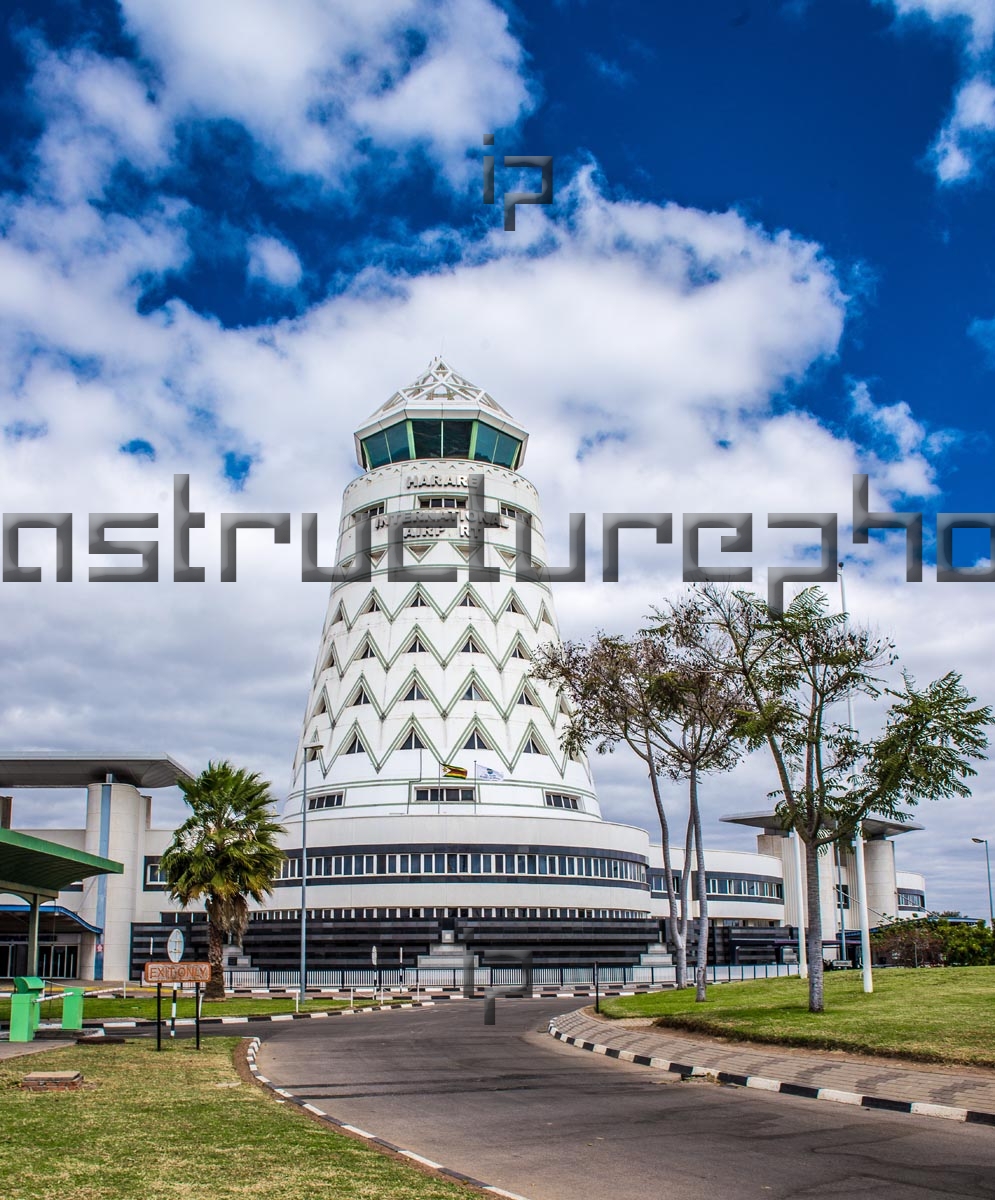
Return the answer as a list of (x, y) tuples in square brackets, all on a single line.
[(419, 681)]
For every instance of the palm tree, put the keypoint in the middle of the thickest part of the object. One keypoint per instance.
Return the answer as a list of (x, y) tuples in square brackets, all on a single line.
[(224, 853)]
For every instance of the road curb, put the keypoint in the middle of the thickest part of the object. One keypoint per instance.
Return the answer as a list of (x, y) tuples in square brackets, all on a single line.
[(922, 1108), (286, 1097)]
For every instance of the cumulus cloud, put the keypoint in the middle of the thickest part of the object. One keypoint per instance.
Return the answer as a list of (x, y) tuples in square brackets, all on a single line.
[(273, 262), (311, 80), (965, 136)]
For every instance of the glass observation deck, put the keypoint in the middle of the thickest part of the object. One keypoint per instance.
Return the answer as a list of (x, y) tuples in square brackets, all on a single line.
[(474, 440)]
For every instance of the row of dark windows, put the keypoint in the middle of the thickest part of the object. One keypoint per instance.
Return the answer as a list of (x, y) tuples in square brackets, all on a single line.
[(719, 885), (580, 867), (468, 913)]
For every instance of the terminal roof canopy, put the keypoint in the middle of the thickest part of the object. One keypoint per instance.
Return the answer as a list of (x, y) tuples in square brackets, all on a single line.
[(41, 770), (874, 827), (31, 866)]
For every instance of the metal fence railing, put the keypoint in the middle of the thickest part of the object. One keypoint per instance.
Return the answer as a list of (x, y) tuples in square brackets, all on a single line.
[(410, 979)]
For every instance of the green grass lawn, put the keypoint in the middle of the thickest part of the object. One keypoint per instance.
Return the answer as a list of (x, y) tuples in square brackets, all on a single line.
[(172, 1125), (943, 1015), (106, 1008)]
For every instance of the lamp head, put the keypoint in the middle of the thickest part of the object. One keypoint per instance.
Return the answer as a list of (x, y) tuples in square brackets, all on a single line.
[(979, 841)]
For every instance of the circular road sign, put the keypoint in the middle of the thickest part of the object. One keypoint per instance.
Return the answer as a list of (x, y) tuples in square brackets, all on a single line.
[(174, 945)]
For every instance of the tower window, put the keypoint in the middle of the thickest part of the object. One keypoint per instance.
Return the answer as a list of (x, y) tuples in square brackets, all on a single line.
[(472, 693), (415, 693), (532, 747), (468, 602), (412, 742), (418, 602), (475, 742), (525, 698), (368, 651), (331, 800), (470, 647), (416, 647), (356, 746), (559, 800), (442, 502), (361, 697)]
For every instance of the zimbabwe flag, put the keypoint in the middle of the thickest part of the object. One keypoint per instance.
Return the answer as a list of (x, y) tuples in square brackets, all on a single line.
[(451, 772)]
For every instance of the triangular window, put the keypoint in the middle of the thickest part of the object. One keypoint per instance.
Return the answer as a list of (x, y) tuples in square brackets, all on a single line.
[(472, 693), (361, 697), (468, 602), (525, 698), (415, 693), (518, 652), (355, 746), (320, 707), (470, 647), (367, 651), (416, 647), (338, 616), (532, 747), (418, 602), (544, 615), (514, 607), (475, 742), (412, 742), (372, 607)]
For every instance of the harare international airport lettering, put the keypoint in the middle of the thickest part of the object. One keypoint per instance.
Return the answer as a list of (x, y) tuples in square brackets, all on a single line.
[(469, 522)]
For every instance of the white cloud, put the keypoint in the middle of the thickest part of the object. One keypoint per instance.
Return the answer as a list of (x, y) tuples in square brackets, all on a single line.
[(971, 123), (968, 128), (976, 18), (274, 262), (311, 79)]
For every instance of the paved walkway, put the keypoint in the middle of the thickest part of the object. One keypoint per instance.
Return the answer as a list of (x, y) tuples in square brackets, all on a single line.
[(16, 1049), (870, 1083)]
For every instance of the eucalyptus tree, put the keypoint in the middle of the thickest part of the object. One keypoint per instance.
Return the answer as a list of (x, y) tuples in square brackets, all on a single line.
[(676, 713), (795, 668), (224, 853)]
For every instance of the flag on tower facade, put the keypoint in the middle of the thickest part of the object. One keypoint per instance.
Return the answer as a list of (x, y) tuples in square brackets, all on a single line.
[(451, 772), (488, 773)]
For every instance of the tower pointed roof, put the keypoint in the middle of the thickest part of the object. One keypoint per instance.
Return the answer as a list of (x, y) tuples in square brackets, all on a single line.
[(439, 385)]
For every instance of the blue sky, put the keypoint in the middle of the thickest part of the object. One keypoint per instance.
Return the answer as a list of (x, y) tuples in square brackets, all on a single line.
[(230, 231)]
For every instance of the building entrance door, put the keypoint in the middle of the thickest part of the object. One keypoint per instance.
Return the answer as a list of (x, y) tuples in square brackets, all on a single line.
[(58, 962)]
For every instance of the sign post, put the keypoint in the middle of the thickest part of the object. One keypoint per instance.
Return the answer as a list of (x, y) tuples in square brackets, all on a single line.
[(175, 973)]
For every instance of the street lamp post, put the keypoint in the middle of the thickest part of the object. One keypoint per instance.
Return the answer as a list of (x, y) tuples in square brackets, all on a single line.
[(858, 846), (303, 980), (988, 864)]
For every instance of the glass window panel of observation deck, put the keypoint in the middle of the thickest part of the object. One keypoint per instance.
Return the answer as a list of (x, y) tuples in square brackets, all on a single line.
[(493, 446), (398, 442), (428, 438), (456, 439), (376, 450)]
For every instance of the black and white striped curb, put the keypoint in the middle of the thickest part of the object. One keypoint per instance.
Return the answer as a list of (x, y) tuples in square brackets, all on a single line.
[(190, 1022), (922, 1108), (287, 1097)]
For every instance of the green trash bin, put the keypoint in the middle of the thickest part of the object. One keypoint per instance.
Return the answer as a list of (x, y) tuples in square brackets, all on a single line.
[(25, 1010), (72, 1007)]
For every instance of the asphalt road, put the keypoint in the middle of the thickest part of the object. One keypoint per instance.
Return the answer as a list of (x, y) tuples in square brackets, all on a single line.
[(511, 1106)]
